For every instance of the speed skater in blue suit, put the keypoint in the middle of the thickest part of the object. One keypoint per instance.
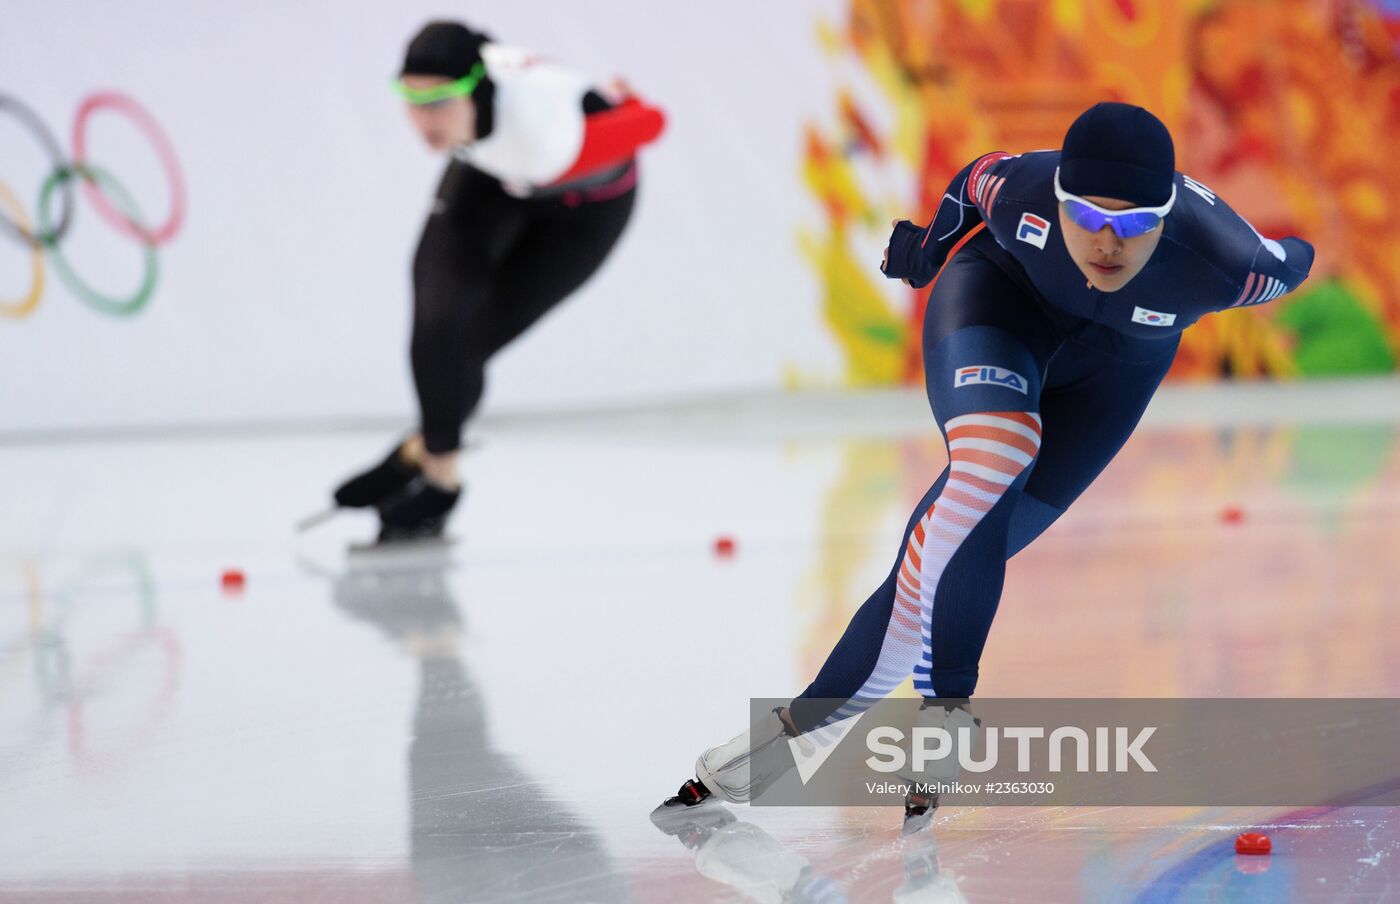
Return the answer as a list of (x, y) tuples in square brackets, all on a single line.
[(1046, 335)]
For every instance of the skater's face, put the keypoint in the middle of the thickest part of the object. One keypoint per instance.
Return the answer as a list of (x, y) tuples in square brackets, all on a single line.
[(1107, 261), (444, 124)]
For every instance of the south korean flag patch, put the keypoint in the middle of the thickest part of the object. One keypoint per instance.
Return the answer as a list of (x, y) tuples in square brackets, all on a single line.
[(1152, 318)]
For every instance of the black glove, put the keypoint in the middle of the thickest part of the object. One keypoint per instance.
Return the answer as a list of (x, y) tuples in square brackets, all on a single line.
[(906, 259)]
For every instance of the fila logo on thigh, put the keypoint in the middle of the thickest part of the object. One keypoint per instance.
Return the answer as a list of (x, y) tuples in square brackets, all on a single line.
[(1033, 230), (986, 373)]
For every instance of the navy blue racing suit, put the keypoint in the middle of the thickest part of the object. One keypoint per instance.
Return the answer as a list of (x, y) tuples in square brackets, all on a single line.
[(1036, 380)]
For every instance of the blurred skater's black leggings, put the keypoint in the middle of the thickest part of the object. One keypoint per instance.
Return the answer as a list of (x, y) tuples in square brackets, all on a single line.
[(489, 264)]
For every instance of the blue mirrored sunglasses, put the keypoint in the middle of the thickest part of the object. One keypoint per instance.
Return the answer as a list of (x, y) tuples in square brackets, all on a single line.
[(1126, 224)]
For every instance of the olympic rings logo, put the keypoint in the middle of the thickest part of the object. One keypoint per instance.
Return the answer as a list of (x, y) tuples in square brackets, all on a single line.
[(112, 201)]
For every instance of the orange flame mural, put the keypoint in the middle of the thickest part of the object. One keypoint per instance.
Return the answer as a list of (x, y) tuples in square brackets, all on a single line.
[(1287, 108)]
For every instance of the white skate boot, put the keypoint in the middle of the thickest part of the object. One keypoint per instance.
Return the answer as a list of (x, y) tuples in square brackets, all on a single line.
[(920, 801), (727, 769)]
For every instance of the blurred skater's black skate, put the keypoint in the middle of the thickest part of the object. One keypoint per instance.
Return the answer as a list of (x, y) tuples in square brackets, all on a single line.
[(415, 516), (370, 488)]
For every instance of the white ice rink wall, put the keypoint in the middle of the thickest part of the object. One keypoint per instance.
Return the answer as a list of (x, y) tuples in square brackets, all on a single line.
[(284, 293)]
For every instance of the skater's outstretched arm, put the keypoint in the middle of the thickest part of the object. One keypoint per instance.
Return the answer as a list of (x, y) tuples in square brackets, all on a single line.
[(1264, 269), (916, 253)]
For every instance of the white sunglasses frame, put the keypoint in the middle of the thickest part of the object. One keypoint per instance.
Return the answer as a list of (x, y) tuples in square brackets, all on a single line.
[(1061, 195)]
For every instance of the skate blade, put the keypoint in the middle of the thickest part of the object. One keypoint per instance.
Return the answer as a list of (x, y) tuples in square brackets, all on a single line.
[(310, 521), (419, 551)]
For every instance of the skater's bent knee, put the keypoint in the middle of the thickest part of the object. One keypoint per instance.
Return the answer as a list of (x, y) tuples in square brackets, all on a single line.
[(993, 447)]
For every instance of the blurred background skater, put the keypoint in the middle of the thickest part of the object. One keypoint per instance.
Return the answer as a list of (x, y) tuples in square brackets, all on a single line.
[(1044, 339), (539, 187)]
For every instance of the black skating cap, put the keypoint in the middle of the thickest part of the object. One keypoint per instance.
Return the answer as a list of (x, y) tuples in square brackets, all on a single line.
[(1119, 151), (448, 49)]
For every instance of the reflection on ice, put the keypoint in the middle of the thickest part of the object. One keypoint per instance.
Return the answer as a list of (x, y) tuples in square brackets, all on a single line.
[(482, 829)]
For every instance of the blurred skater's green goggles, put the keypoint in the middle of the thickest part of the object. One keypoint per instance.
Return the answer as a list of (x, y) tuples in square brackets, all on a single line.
[(422, 97)]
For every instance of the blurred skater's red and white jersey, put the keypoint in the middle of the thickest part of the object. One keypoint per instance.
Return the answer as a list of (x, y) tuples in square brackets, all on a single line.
[(541, 136)]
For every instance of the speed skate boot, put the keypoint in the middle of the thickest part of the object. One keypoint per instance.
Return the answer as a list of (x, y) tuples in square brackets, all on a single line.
[(921, 799), (369, 488), (418, 511), (725, 771)]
